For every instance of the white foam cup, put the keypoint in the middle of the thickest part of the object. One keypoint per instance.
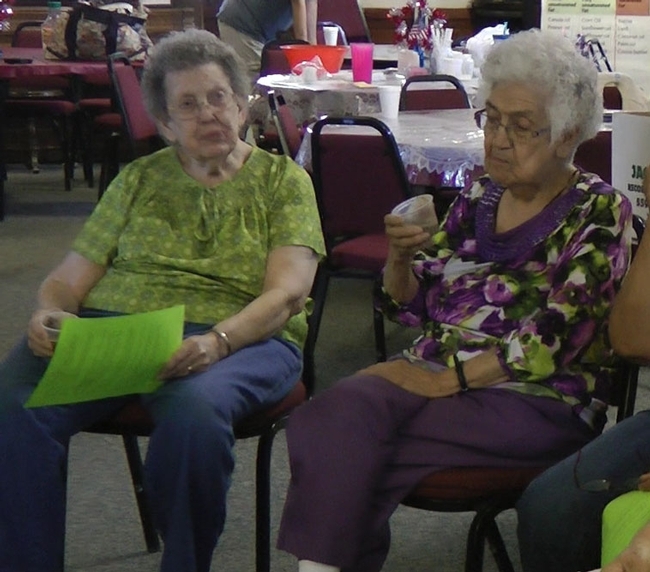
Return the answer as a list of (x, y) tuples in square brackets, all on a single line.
[(389, 100)]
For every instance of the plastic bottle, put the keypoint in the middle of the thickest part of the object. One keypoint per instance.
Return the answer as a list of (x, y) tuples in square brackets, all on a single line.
[(48, 27)]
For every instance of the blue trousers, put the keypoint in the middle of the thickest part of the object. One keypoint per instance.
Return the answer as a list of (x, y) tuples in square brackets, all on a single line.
[(188, 465), (559, 523)]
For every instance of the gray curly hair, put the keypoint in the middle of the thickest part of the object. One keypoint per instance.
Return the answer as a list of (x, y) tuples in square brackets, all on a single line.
[(549, 63), (180, 51)]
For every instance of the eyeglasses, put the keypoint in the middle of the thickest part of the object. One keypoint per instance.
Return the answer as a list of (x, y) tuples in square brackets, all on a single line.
[(190, 107), (516, 134), (602, 485)]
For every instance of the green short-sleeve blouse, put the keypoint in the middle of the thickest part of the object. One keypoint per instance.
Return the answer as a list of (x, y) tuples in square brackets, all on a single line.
[(167, 240)]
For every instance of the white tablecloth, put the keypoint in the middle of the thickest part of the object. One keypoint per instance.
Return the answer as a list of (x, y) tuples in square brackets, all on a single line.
[(438, 148), (337, 95)]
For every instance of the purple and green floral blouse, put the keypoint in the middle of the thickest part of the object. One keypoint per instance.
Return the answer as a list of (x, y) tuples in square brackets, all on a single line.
[(539, 293)]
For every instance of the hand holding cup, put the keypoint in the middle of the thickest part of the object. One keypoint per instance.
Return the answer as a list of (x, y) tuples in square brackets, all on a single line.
[(44, 330)]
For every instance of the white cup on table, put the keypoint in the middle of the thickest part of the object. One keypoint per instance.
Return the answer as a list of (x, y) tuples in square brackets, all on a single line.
[(389, 96)]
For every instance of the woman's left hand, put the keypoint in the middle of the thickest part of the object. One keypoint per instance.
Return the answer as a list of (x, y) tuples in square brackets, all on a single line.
[(196, 354), (414, 379)]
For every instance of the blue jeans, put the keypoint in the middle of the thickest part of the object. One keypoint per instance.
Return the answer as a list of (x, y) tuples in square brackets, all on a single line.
[(559, 523), (189, 460)]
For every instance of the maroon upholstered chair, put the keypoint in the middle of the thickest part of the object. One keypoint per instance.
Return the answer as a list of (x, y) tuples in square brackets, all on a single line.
[(595, 155), (140, 130), (488, 491), (285, 123), (95, 100), (49, 98), (415, 96), (358, 179), (134, 421)]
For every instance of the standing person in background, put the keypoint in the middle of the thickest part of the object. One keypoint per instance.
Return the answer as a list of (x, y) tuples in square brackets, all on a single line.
[(248, 24)]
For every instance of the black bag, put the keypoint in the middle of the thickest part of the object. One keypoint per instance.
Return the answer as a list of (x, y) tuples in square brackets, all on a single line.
[(93, 33)]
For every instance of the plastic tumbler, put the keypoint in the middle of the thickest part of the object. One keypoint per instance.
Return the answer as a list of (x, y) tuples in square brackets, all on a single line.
[(419, 211), (361, 62)]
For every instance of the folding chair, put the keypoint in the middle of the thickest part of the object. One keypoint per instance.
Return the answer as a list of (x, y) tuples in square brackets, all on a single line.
[(415, 96), (595, 155), (288, 131), (353, 200), (49, 98), (489, 491), (141, 132), (134, 421)]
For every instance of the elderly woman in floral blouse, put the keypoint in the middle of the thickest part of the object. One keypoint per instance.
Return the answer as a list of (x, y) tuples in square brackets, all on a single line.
[(512, 295)]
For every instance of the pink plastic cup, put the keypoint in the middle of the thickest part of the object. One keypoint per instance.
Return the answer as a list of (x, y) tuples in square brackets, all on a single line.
[(361, 62)]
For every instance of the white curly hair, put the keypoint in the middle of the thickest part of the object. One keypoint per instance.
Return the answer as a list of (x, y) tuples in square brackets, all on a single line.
[(550, 64)]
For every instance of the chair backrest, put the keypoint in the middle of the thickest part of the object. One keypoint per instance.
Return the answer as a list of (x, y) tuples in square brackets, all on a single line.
[(612, 98), (349, 15), (595, 155), (139, 126), (416, 97), (285, 123), (358, 178), (273, 59), (27, 35)]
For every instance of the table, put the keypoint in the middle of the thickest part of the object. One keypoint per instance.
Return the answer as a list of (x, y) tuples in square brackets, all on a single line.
[(337, 95), (39, 66), (441, 148)]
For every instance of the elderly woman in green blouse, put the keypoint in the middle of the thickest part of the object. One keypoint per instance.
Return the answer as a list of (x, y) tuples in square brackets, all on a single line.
[(229, 231)]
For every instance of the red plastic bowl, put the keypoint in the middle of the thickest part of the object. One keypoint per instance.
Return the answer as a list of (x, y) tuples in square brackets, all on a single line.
[(331, 56)]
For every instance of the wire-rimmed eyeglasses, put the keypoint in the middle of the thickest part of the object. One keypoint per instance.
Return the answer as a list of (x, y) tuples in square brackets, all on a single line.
[(190, 107), (514, 132), (603, 485)]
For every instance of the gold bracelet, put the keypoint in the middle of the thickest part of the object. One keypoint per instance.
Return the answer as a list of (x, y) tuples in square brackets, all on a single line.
[(225, 338)]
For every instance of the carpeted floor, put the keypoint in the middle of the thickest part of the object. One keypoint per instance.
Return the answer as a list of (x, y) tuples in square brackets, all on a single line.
[(103, 533)]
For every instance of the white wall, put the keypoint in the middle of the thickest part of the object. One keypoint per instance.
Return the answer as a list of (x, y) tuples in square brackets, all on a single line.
[(395, 3)]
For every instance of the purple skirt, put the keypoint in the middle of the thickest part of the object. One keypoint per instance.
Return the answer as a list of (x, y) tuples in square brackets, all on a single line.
[(357, 449)]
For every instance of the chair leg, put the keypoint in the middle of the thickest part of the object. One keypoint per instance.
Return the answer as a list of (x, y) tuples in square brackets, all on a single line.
[(498, 547), (484, 528), (64, 132), (263, 498), (110, 164), (33, 145), (137, 477), (380, 334)]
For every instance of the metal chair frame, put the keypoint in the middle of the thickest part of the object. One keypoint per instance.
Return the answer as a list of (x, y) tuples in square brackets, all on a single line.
[(327, 268)]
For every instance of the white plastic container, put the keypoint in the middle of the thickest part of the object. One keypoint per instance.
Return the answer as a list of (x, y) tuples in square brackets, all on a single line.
[(49, 26)]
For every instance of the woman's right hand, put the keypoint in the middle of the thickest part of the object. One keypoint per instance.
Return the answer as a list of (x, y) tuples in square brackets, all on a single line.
[(404, 239), (37, 338)]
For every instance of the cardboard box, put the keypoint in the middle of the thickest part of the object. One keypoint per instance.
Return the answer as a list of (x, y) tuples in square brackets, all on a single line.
[(631, 156)]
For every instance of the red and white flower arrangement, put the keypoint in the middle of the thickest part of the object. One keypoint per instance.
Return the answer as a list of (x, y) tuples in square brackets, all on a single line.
[(413, 23)]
